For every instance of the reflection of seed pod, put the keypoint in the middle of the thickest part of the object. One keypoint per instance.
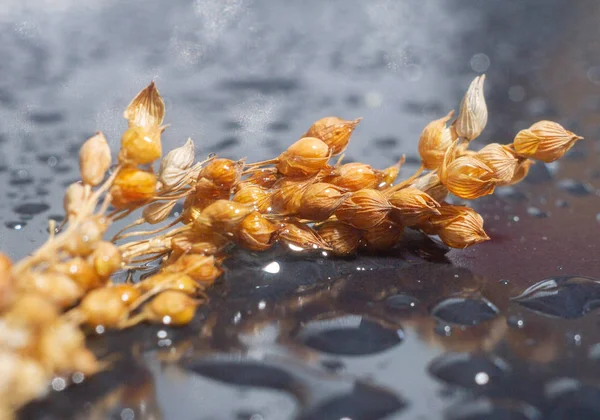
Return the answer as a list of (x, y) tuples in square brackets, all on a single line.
[(363, 209), (334, 131), (256, 233), (342, 238), (320, 201), (383, 236), (305, 157)]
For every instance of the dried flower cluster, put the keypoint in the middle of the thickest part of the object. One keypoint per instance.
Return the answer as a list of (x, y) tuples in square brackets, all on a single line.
[(302, 199)]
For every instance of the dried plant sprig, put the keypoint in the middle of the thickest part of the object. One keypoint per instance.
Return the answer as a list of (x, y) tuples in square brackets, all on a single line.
[(300, 199)]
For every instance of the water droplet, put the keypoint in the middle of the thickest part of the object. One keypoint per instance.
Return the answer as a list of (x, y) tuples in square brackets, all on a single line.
[(401, 302), (20, 177), (443, 330), (465, 311), (575, 187), (127, 414), (468, 370), (15, 225), (515, 321), (565, 297), (31, 208), (333, 365), (59, 384), (480, 63), (504, 282), (535, 212), (561, 203), (487, 409)]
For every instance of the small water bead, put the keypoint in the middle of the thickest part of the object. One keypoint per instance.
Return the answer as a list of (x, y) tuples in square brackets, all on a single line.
[(15, 225), (127, 414), (561, 203), (576, 188), (59, 384), (333, 365), (30, 209), (468, 370), (20, 177), (535, 212), (465, 311), (443, 330), (515, 321), (401, 302)]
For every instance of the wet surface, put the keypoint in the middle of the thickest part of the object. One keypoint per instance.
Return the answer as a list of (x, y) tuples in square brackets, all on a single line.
[(504, 330)]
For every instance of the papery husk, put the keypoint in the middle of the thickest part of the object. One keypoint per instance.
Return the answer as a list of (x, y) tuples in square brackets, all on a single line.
[(334, 131), (457, 226), (256, 233), (431, 184), (306, 157), (147, 109), (473, 115), (320, 200), (94, 159), (501, 159), (383, 236), (435, 139), (341, 237), (174, 166), (364, 209), (354, 176), (411, 206), (300, 236), (254, 195), (158, 211), (545, 140), (288, 193)]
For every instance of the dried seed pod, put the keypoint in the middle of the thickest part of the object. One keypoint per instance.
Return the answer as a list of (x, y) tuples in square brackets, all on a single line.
[(82, 272), (174, 166), (521, 171), (25, 378), (354, 176), (56, 287), (467, 176), (157, 212), (132, 186), (254, 195), (320, 201), (87, 236), (299, 237), (141, 145), (74, 200), (364, 209), (59, 358), (387, 177), (334, 131), (342, 238), (256, 233), (460, 231), (431, 185), (435, 140), (501, 159), (128, 292), (32, 310), (104, 306), (545, 140), (383, 236), (147, 109), (201, 268), (168, 280), (171, 308), (263, 177), (288, 194), (473, 114), (222, 215), (207, 191), (106, 258), (207, 243), (94, 159), (305, 157), (224, 173), (412, 206)]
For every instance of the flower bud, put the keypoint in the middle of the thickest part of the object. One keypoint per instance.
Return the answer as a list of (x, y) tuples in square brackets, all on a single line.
[(254, 195), (174, 166), (354, 176), (335, 132), (383, 236), (141, 145), (501, 159), (158, 211), (147, 109), (342, 238), (298, 236), (431, 185), (256, 233), (74, 200), (467, 176), (473, 114), (305, 157), (435, 140), (94, 159), (412, 206), (132, 185), (224, 173), (320, 201), (364, 209), (545, 140)]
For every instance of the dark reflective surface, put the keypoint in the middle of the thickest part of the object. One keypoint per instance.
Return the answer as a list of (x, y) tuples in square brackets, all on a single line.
[(504, 330)]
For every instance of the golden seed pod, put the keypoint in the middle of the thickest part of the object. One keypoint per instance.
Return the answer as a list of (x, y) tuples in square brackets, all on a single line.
[(56, 287), (171, 308), (263, 177), (94, 159), (473, 114), (431, 185), (459, 227), (207, 243), (207, 191), (545, 140), (335, 132), (521, 171), (254, 195), (364, 209), (223, 215), (256, 233), (32, 310), (147, 109), (435, 139), (320, 201), (467, 176), (168, 280), (104, 306), (202, 269), (387, 176), (158, 211), (342, 238), (74, 199), (305, 157), (128, 292), (288, 194), (106, 258), (80, 271), (59, 358), (87, 236), (301, 237), (141, 145), (383, 236), (174, 166), (501, 159), (224, 173), (411, 206), (132, 185), (354, 176)]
